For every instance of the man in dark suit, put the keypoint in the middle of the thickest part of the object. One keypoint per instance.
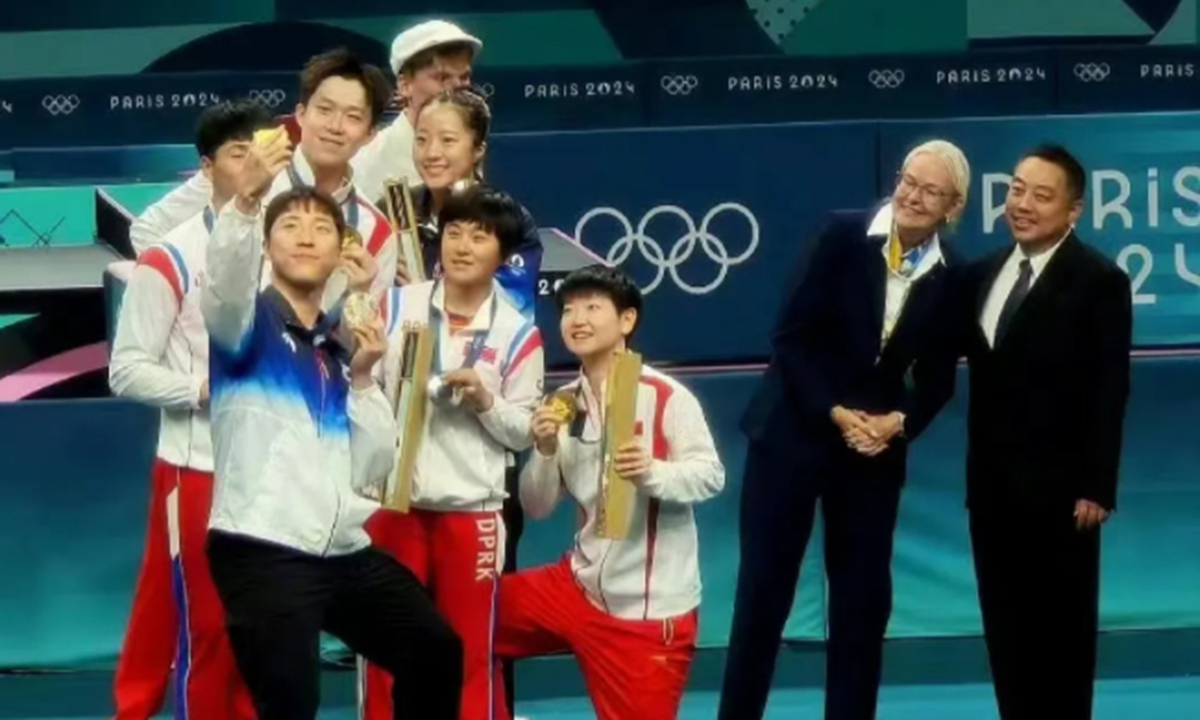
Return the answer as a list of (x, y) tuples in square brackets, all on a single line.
[(1048, 344), (863, 359)]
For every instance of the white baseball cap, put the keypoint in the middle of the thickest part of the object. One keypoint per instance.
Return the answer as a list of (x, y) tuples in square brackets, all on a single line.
[(427, 35)]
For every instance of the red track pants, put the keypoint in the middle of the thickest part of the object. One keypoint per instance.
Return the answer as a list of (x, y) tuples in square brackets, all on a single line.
[(458, 556), (177, 617), (633, 669)]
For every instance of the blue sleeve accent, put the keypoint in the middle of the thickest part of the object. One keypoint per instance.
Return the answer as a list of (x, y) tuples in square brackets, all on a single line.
[(177, 256), (519, 275), (515, 346), (395, 300), (236, 362)]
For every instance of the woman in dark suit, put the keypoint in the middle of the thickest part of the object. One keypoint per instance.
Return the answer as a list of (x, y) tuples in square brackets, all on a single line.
[(863, 358)]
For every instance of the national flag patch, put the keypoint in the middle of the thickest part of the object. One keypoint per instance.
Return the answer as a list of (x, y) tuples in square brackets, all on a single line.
[(487, 354)]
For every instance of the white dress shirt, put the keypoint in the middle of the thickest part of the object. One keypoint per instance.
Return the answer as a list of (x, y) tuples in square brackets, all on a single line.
[(1005, 281), (898, 284)]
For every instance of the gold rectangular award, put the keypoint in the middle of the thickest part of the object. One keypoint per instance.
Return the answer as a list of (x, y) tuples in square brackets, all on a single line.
[(410, 402), (402, 213), (620, 419)]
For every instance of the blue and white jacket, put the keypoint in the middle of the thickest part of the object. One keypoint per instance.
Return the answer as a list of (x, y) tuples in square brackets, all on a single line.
[(295, 446)]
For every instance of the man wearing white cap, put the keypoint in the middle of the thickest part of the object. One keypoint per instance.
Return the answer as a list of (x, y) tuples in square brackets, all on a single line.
[(427, 58)]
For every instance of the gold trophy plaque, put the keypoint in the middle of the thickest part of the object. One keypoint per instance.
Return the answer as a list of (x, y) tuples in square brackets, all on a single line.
[(615, 508), (402, 213), (410, 403)]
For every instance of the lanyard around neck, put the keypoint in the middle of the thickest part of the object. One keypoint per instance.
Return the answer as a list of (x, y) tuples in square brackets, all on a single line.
[(349, 208), (478, 342)]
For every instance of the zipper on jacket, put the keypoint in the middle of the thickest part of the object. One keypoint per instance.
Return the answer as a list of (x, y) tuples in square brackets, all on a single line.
[(323, 372)]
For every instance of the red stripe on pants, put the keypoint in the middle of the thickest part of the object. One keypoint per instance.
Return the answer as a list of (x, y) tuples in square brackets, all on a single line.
[(632, 668), (458, 557), (208, 685)]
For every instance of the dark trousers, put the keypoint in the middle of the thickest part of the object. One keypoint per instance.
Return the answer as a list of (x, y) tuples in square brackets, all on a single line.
[(859, 509), (278, 601), (1038, 580), (514, 525)]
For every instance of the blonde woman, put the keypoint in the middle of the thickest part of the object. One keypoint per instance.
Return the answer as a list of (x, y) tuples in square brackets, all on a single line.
[(863, 358)]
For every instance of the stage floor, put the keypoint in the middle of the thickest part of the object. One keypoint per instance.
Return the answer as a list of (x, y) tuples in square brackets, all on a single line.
[(1145, 676)]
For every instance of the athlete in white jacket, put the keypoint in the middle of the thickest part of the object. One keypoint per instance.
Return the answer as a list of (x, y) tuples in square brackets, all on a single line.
[(427, 58), (626, 608), (300, 429), (341, 100), (160, 357), (489, 356)]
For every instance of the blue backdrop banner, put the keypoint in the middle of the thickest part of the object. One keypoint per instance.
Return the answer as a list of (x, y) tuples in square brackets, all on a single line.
[(1142, 207), (709, 221), (162, 108), (127, 109)]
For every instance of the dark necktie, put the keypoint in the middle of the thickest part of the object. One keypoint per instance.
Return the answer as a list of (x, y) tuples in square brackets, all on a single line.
[(1015, 298)]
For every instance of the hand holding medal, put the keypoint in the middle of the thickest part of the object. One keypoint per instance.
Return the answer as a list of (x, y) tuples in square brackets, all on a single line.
[(557, 411), (358, 264), (361, 315), (269, 154)]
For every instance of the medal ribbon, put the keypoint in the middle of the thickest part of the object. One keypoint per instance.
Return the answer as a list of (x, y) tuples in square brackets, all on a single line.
[(474, 350), (349, 208)]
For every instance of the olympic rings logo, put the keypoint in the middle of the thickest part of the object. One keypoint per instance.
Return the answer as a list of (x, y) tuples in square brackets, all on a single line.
[(1092, 72), (886, 78), (60, 104), (487, 90), (267, 98), (669, 262), (679, 84)]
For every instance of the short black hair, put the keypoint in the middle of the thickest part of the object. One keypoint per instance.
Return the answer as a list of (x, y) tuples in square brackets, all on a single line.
[(303, 196), (1060, 156), (605, 280), (493, 210), (228, 121), (345, 64)]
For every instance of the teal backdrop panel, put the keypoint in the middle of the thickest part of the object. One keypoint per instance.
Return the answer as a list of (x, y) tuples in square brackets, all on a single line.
[(134, 35)]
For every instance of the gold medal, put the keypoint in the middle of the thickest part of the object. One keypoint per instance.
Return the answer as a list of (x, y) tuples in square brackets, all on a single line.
[(562, 403), (351, 238), (265, 137), (360, 310)]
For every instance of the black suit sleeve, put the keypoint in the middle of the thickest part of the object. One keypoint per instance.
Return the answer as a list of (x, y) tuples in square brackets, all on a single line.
[(935, 370), (801, 338), (1110, 329)]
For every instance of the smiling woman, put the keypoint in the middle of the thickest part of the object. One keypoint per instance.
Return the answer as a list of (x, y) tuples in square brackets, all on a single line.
[(848, 389)]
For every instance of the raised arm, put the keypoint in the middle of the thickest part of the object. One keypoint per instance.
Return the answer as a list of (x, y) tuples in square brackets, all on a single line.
[(235, 250), (149, 312), (234, 262)]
